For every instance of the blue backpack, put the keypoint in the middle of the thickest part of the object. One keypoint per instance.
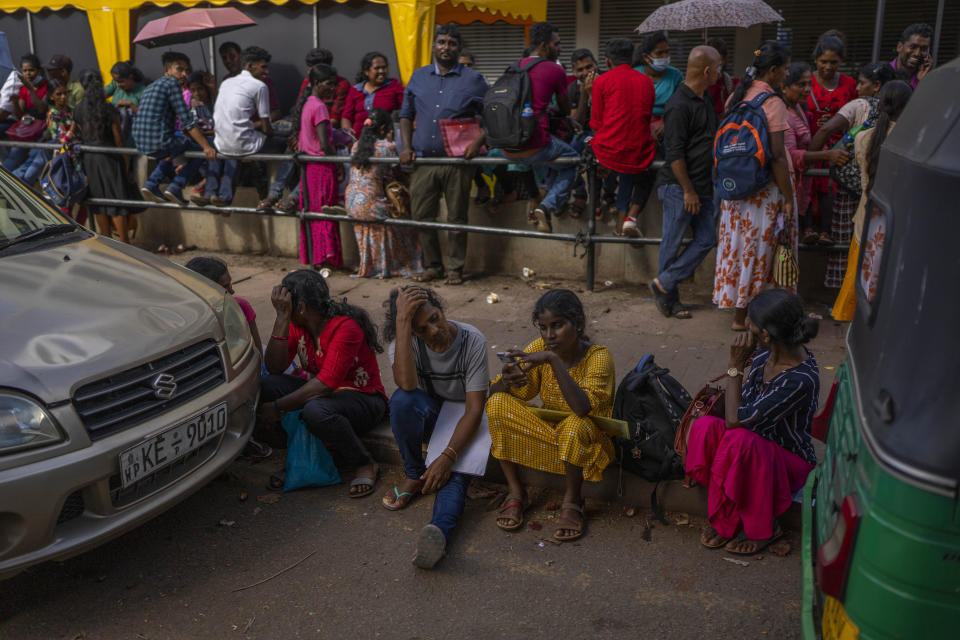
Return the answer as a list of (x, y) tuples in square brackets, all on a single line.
[(741, 150), (61, 182)]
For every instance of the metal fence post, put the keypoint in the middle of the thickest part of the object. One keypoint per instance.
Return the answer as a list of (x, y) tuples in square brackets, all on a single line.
[(591, 254)]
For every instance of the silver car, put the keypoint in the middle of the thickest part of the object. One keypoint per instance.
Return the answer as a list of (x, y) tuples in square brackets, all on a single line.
[(126, 383)]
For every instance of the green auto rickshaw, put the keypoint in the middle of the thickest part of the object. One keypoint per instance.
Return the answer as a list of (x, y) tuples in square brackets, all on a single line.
[(881, 516)]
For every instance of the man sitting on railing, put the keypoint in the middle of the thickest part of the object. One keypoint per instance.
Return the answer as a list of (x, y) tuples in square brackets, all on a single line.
[(547, 80), (155, 134)]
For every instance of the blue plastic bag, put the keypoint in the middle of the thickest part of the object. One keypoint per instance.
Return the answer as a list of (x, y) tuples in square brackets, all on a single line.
[(308, 462)]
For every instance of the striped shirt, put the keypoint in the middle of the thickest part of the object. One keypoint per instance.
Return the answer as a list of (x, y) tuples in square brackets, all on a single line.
[(782, 410)]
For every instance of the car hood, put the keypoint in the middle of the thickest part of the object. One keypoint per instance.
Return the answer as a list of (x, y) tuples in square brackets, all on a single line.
[(75, 313)]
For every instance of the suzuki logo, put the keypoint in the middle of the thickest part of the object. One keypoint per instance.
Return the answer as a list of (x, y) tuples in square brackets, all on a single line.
[(164, 386)]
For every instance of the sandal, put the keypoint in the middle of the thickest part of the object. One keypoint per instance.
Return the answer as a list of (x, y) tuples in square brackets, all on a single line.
[(735, 546), (577, 208), (276, 481), (267, 204), (454, 278), (289, 205), (708, 534), (511, 502), (568, 523), (431, 547), (810, 237), (660, 298), (429, 275), (401, 500), (370, 483), (825, 239), (680, 311)]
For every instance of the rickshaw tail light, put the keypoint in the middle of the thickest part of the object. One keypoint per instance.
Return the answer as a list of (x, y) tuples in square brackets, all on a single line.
[(834, 555)]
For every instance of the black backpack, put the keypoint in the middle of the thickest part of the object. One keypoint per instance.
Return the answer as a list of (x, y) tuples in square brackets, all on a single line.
[(652, 402), (503, 120)]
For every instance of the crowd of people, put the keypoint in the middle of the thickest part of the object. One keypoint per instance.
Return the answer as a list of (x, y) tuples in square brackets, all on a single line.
[(321, 368), (624, 110)]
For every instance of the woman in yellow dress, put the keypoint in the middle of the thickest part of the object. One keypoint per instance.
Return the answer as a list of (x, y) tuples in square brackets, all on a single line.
[(570, 375)]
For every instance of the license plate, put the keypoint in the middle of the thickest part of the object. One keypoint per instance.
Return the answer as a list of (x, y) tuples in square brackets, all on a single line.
[(149, 456), (836, 624)]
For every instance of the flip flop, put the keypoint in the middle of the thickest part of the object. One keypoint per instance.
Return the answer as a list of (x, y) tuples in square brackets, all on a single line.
[(680, 311), (359, 482), (761, 544), (508, 503), (429, 275), (565, 522), (276, 481), (398, 502), (660, 298)]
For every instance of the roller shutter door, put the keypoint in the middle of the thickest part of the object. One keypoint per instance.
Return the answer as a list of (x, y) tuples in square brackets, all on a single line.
[(805, 20), (563, 15), (496, 46)]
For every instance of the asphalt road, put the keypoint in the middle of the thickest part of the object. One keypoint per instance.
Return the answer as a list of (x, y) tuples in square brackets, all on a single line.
[(187, 574), (209, 567)]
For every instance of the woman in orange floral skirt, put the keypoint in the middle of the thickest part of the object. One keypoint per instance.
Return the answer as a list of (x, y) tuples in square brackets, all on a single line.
[(750, 229)]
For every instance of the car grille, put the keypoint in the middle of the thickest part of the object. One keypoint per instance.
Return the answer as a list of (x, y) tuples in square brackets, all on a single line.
[(120, 497), (72, 508), (126, 399)]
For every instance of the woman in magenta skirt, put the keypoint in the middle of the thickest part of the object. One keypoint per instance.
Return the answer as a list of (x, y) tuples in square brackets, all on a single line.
[(754, 461)]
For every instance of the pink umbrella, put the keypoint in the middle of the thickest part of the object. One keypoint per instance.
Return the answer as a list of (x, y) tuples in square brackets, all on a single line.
[(688, 15), (191, 25)]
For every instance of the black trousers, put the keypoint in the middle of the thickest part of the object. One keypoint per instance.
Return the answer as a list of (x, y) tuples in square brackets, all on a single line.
[(338, 419)]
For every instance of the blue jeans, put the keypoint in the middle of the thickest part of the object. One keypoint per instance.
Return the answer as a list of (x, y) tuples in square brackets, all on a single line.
[(16, 157), (285, 171), (559, 177), (30, 170), (220, 178), (166, 169), (674, 268), (413, 415)]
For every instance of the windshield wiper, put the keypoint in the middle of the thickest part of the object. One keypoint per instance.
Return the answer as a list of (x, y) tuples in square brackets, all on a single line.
[(42, 232)]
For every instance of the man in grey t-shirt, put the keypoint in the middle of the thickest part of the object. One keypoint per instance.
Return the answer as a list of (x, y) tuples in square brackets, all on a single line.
[(435, 360)]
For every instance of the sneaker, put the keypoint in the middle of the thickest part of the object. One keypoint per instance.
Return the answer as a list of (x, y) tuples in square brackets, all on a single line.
[(199, 199), (174, 194), (431, 547), (152, 193), (542, 216), (217, 201), (630, 228)]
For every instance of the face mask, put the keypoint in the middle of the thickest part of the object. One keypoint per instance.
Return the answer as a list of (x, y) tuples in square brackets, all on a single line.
[(660, 64)]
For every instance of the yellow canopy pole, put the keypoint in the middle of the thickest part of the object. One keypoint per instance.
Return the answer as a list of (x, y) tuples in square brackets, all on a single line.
[(111, 36), (412, 22)]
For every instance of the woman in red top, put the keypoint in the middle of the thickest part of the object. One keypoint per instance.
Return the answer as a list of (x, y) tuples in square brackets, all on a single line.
[(829, 91), (336, 344), (373, 90)]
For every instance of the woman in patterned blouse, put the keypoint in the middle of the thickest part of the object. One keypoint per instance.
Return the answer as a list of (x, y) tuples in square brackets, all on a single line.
[(336, 344), (754, 461)]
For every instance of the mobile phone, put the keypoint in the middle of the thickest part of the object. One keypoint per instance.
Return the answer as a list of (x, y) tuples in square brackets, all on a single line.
[(506, 358)]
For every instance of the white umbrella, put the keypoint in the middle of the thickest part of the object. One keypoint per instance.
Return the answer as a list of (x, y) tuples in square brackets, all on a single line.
[(688, 15)]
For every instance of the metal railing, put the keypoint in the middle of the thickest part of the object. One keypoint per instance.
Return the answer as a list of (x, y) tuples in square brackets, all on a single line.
[(587, 241)]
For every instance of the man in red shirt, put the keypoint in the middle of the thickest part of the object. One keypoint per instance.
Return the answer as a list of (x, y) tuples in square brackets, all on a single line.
[(622, 107), (548, 80)]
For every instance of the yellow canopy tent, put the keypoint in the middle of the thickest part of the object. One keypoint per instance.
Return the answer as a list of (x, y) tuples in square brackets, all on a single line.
[(412, 22)]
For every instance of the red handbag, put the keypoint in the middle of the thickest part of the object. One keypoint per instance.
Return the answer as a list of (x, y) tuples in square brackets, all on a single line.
[(26, 129), (458, 134), (707, 402)]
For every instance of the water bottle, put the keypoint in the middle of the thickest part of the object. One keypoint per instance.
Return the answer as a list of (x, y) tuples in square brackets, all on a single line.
[(527, 111)]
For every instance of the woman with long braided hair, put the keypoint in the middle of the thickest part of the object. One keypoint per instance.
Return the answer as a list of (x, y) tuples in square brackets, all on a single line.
[(336, 344)]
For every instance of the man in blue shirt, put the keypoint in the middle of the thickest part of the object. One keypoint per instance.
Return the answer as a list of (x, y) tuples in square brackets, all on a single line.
[(154, 131), (444, 89)]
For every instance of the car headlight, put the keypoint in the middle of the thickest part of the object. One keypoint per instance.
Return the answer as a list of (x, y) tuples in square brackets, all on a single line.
[(24, 424), (235, 327)]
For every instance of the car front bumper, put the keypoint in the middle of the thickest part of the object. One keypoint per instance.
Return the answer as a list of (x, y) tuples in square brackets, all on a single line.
[(64, 505)]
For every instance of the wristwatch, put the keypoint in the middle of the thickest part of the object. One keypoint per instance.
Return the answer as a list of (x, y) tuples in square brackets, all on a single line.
[(733, 372)]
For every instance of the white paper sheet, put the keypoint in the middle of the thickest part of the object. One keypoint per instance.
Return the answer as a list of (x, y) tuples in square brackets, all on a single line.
[(472, 461)]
